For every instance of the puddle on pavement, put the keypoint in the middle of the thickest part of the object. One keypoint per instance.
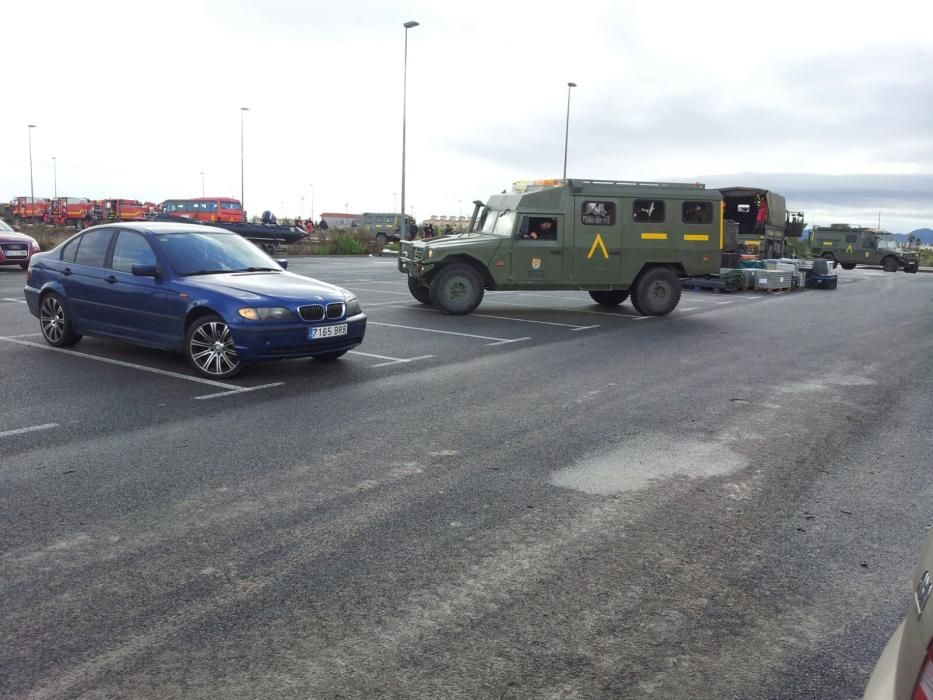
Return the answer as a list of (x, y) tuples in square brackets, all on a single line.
[(645, 458)]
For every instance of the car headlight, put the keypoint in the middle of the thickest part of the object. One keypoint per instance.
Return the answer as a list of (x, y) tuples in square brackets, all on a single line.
[(353, 307), (34, 244), (430, 253), (267, 313)]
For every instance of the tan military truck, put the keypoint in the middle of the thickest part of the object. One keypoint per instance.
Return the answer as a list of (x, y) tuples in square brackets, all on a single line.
[(849, 246), (613, 239)]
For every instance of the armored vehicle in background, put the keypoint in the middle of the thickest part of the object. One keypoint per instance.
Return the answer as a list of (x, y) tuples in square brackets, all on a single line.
[(850, 246), (757, 222), (382, 228), (613, 239)]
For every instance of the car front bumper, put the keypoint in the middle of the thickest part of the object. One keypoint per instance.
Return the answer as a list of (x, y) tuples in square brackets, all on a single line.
[(255, 343)]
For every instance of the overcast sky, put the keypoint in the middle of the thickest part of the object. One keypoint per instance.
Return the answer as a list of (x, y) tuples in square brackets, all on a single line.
[(830, 104)]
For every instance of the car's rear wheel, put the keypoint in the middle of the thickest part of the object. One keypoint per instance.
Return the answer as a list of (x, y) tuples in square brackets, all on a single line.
[(848, 266), (656, 292), (329, 356), (55, 322), (608, 297), (889, 264), (456, 289), (419, 291), (210, 348)]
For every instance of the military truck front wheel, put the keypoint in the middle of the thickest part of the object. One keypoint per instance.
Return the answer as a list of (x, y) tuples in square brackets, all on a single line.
[(456, 289), (889, 264), (608, 298), (419, 291), (848, 266), (656, 292), (381, 240)]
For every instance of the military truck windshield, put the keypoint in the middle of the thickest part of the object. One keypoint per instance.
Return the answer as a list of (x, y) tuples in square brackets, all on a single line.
[(499, 223), (889, 243)]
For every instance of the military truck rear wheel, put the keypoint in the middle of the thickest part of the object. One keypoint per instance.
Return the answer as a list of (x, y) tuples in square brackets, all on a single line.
[(848, 266), (608, 298), (456, 289), (889, 264), (829, 257), (419, 291), (656, 292), (381, 240)]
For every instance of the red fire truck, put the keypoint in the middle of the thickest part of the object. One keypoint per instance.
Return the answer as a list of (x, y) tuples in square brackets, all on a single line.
[(122, 210), (29, 208), (72, 211)]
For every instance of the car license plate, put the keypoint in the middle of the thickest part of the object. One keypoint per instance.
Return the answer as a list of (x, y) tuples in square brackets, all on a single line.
[(16, 253), (320, 332)]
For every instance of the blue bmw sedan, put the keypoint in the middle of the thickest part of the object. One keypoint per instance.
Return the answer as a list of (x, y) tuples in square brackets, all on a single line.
[(196, 289)]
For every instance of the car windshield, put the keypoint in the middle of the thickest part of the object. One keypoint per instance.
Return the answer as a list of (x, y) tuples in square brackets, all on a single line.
[(4, 227), (203, 253), (499, 223)]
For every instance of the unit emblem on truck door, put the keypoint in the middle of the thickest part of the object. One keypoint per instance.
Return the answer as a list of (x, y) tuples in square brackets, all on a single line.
[(598, 243), (536, 263)]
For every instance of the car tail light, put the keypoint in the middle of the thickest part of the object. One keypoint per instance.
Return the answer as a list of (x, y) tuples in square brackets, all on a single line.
[(924, 688)]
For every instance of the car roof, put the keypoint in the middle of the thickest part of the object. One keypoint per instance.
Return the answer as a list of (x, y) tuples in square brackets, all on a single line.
[(163, 227)]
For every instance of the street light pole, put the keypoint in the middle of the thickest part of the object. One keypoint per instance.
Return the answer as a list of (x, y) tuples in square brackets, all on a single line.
[(32, 193), (202, 183), (403, 231), (54, 178), (312, 201), (242, 179), (567, 130)]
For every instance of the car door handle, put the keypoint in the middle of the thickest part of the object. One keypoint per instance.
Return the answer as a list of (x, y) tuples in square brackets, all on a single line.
[(110, 280), (556, 252), (614, 252), (66, 271)]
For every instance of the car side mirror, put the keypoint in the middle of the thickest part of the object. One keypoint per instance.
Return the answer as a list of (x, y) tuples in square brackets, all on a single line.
[(145, 270), (17, 228), (283, 263)]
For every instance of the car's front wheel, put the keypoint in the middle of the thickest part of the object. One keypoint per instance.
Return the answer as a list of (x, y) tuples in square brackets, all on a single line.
[(210, 348), (419, 291), (55, 322)]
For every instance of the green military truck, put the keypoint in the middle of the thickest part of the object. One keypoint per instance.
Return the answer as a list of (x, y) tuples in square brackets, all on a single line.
[(757, 222), (382, 228), (613, 239), (849, 246)]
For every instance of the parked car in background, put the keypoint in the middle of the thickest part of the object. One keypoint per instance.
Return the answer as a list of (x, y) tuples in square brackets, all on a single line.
[(200, 290), (905, 669), (16, 248)]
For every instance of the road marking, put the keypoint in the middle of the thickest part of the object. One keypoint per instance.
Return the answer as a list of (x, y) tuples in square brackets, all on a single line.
[(32, 429), (238, 390), (689, 308), (572, 326), (378, 291), (499, 341), (231, 388), (391, 360), (25, 335), (708, 301), (395, 303), (558, 308), (18, 301)]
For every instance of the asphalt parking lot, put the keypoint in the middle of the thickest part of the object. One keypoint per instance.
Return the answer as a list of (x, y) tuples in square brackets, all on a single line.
[(402, 335), (546, 498)]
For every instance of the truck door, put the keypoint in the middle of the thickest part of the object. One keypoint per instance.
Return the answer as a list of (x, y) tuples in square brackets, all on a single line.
[(538, 249), (597, 241)]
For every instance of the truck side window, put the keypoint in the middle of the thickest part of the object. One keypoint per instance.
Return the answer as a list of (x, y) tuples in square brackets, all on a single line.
[(697, 213), (598, 213), (851, 237), (648, 211), (538, 228)]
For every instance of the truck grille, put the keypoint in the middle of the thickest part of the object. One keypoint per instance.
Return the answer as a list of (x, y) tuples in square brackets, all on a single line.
[(335, 310), (418, 253), (6, 247)]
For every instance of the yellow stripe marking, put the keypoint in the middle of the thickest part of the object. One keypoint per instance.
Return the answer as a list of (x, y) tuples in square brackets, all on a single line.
[(598, 242), (654, 236), (696, 236), (828, 244)]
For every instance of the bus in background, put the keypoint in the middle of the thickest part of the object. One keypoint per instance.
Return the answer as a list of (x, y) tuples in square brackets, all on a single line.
[(206, 209)]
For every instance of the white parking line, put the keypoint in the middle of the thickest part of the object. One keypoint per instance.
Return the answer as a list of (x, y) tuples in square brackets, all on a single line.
[(378, 291), (232, 388), (18, 301), (499, 341), (572, 326), (708, 301), (238, 390), (26, 335), (391, 360), (32, 429), (564, 308)]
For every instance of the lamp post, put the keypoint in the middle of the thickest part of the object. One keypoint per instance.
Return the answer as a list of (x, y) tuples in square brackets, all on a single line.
[(54, 178), (312, 200), (408, 25), (242, 179), (202, 183), (32, 194), (567, 130)]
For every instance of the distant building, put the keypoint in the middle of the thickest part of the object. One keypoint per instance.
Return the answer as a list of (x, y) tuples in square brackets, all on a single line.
[(335, 220), (439, 221)]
